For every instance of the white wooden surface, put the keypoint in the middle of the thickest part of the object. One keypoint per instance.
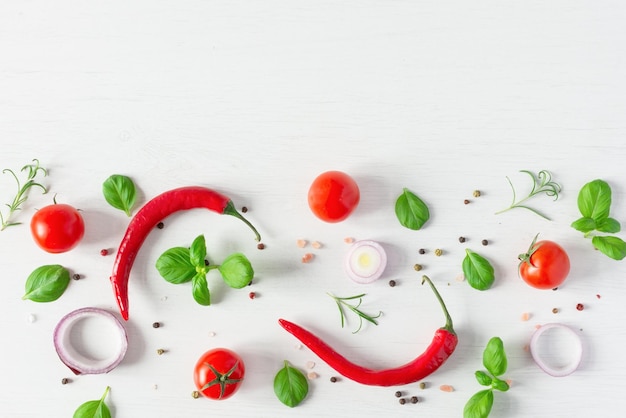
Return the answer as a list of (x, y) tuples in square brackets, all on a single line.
[(255, 99)]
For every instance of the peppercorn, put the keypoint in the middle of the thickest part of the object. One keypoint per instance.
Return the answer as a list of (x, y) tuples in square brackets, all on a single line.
[(260, 246), (484, 242), (414, 399), (422, 251), (206, 262), (333, 379), (402, 401), (398, 394), (251, 295), (156, 325), (195, 394), (160, 225), (244, 209), (65, 381), (580, 306), (422, 385), (76, 277), (417, 267), (392, 283), (466, 201), (461, 239), (104, 252), (476, 193), (160, 351), (555, 310), (438, 252)]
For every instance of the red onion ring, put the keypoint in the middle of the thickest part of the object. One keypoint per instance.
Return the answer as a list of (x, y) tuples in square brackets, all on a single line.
[(364, 250), (544, 345), (76, 355)]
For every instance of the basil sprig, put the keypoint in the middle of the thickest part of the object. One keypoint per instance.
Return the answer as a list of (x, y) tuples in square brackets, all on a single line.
[(120, 192), (495, 361), (290, 385), (181, 265), (47, 283), (94, 409), (411, 211), (477, 270), (594, 204)]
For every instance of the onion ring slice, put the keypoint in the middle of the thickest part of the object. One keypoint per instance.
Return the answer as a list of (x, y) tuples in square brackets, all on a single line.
[(557, 349), (90, 341), (366, 261)]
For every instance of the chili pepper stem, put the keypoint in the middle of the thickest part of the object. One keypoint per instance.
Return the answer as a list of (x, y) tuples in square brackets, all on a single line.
[(448, 327), (230, 210)]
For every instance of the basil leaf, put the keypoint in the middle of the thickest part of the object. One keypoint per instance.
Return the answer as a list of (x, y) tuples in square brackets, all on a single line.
[(478, 271), (94, 409), (594, 200), (174, 265), (411, 211), (494, 357), (613, 247), (236, 271), (483, 378), (47, 283), (499, 384), (479, 405), (119, 191), (290, 385), (608, 225), (197, 251), (584, 224), (200, 289)]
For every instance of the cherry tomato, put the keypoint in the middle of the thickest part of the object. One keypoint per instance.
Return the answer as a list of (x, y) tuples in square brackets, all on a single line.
[(333, 196), (57, 228), (545, 265), (219, 373)]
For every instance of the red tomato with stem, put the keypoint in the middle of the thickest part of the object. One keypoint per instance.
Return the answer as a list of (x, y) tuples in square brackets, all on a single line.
[(333, 196), (219, 373), (545, 265), (57, 228)]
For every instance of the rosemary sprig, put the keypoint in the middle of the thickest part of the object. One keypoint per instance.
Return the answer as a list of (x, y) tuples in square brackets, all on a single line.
[(22, 190), (542, 183), (342, 303)]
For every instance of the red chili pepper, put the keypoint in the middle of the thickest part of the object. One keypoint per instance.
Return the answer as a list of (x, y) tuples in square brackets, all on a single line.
[(149, 216), (441, 347)]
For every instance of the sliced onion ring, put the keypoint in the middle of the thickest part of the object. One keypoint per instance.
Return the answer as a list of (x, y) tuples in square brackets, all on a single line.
[(557, 349), (78, 349), (366, 261)]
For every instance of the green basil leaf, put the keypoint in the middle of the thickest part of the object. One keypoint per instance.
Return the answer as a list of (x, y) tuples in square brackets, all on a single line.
[(236, 271), (47, 283), (594, 200), (584, 224), (197, 251), (483, 378), (94, 409), (494, 357), (290, 385), (119, 191), (200, 289), (500, 385), (609, 225), (479, 405), (175, 266), (613, 247), (411, 211), (478, 271)]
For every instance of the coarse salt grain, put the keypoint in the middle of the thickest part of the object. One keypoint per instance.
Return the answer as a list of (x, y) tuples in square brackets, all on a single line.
[(310, 364), (446, 388), (316, 244), (307, 258), (525, 316), (348, 240), (301, 243), (312, 375), (460, 277), (211, 334), (31, 318)]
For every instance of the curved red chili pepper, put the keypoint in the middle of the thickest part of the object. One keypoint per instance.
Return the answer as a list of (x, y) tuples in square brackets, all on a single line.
[(442, 346), (149, 216)]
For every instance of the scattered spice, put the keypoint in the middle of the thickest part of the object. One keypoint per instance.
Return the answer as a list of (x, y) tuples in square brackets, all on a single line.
[(484, 242), (402, 401), (525, 316), (555, 310), (598, 296), (251, 295), (212, 334), (446, 388), (244, 209), (316, 244), (195, 394), (417, 267), (76, 276), (104, 252), (476, 193), (301, 243), (422, 385), (312, 375), (206, 262), (65, 381), (307, 258), (398, 394), (392, 283), (310, 364), (466, 201), (156, 325), (422, 251), (438, 252), (333, 379), (461, 239), (414, 399), (460, 277), (580, 306), (555, 289), (348, 240), (160, 351), (160, 225), (31, 318), (260, 246)]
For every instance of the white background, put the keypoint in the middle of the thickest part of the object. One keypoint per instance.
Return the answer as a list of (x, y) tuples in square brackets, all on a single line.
[(256, 98)]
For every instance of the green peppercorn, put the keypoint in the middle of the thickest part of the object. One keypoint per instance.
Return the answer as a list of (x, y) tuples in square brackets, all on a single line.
[(195, 394), (422, 385), (417, 267), (476, 193), (438, 252)]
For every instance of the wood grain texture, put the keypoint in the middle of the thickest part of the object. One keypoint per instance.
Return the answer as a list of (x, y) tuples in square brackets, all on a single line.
[(255, 99)]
